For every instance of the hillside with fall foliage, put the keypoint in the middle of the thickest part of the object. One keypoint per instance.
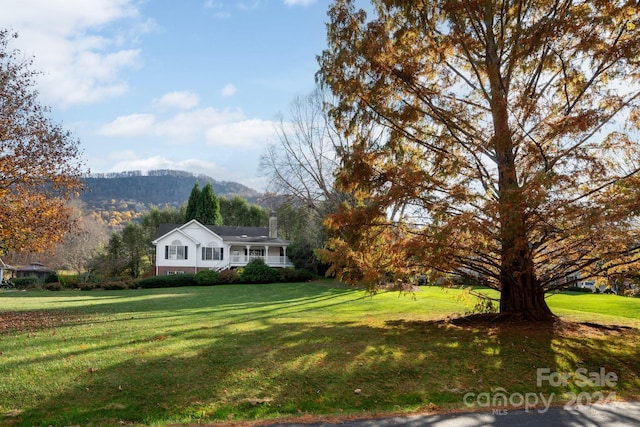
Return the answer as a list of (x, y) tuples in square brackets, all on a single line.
[(117, 198)]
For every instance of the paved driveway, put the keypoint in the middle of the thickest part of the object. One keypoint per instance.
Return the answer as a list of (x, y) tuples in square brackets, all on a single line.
[(618, 414)]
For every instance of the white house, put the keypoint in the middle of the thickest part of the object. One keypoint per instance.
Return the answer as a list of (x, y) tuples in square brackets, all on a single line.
[(192, 247)]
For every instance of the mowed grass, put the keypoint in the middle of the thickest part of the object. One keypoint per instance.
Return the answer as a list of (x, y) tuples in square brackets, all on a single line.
[(255, 352)]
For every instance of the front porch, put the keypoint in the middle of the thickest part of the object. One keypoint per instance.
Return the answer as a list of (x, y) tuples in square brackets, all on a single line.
[(273, 256)]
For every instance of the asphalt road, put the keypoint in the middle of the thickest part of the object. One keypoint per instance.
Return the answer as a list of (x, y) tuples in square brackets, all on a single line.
[(617, 414)]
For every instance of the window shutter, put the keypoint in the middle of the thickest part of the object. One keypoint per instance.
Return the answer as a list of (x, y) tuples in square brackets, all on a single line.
[(166, 252), (221, 254), (185, 252)]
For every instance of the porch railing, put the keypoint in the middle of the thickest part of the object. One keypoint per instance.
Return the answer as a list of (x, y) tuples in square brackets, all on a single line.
[(272, 261)]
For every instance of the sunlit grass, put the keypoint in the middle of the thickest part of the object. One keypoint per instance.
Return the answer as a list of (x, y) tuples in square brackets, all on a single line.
[(167, 356)]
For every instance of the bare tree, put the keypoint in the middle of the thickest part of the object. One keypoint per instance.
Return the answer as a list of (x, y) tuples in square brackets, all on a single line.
[(81, 245), (302, 162)]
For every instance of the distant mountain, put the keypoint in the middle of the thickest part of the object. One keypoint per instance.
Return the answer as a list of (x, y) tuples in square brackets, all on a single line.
[(134, 192), (158, 187)]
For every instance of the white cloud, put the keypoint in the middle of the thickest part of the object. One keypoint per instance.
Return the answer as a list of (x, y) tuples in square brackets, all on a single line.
[(220, 128), (299, 2), (129, 126), (129, 160), (228, 90), (74, 45), (218, 9), (183, 100), (243, 134)]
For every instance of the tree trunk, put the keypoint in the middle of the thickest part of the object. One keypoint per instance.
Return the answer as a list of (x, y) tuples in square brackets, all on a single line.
[(522, 296)]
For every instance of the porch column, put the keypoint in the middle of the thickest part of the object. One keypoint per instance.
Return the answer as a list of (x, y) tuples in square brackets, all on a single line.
[(246, 257), (266, 254)]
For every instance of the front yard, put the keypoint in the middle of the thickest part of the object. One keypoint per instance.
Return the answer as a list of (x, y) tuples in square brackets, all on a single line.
[(255, 352)]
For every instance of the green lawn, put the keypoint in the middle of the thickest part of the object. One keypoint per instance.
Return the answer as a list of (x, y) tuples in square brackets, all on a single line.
[(245, 352)]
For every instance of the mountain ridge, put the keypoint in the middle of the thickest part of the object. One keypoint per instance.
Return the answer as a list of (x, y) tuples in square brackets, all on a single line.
[(158, 187), (122, 196)]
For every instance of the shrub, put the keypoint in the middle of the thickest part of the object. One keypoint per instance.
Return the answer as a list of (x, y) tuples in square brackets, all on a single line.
[(206, 278), (53, 286), (579, 289), (295, 275), (30, 282), (632, 292), (302, 255), (84, 286), (171, 281), (256, 271), (68, 281), (115, 286), (287, 275), (52, 278), (228, 276)]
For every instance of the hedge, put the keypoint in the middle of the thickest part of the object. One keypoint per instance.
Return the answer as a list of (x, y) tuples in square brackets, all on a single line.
[(170, 281)]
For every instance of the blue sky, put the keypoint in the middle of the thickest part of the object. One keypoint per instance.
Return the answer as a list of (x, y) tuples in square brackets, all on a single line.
[(193, 85)]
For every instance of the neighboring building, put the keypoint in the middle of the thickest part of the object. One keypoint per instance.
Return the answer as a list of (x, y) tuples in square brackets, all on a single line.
[(35, 269), (192, 247)]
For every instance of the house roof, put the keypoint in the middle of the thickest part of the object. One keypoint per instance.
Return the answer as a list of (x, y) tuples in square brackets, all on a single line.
[(35, 266), (229, 234)]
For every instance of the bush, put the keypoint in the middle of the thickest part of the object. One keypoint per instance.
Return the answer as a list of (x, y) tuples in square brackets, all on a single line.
[(53, 286), (68, 281), (84, 286), (171, 281), (206, 278), (295, 275), (302, 255), (115, 286), (30, 282), (579, 289), (256, 271), (633, 292), (228, 276), (53, 278)]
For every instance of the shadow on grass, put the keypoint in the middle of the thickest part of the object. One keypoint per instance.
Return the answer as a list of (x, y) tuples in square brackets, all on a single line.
[(290, 365), (288, 368)]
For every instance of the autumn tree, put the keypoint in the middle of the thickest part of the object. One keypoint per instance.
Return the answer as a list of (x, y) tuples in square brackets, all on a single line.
[(510, 141), (39, 166)]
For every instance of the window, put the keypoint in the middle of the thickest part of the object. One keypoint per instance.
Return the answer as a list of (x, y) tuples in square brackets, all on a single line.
[(169, 273), (212, 254), (176, 250)]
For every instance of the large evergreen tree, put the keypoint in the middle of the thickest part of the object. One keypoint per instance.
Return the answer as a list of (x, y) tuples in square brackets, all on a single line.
[(208, 209), (192, 204)]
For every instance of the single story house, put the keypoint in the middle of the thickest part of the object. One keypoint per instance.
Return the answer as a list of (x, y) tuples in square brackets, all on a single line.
[(193, 247), (34, 269)]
